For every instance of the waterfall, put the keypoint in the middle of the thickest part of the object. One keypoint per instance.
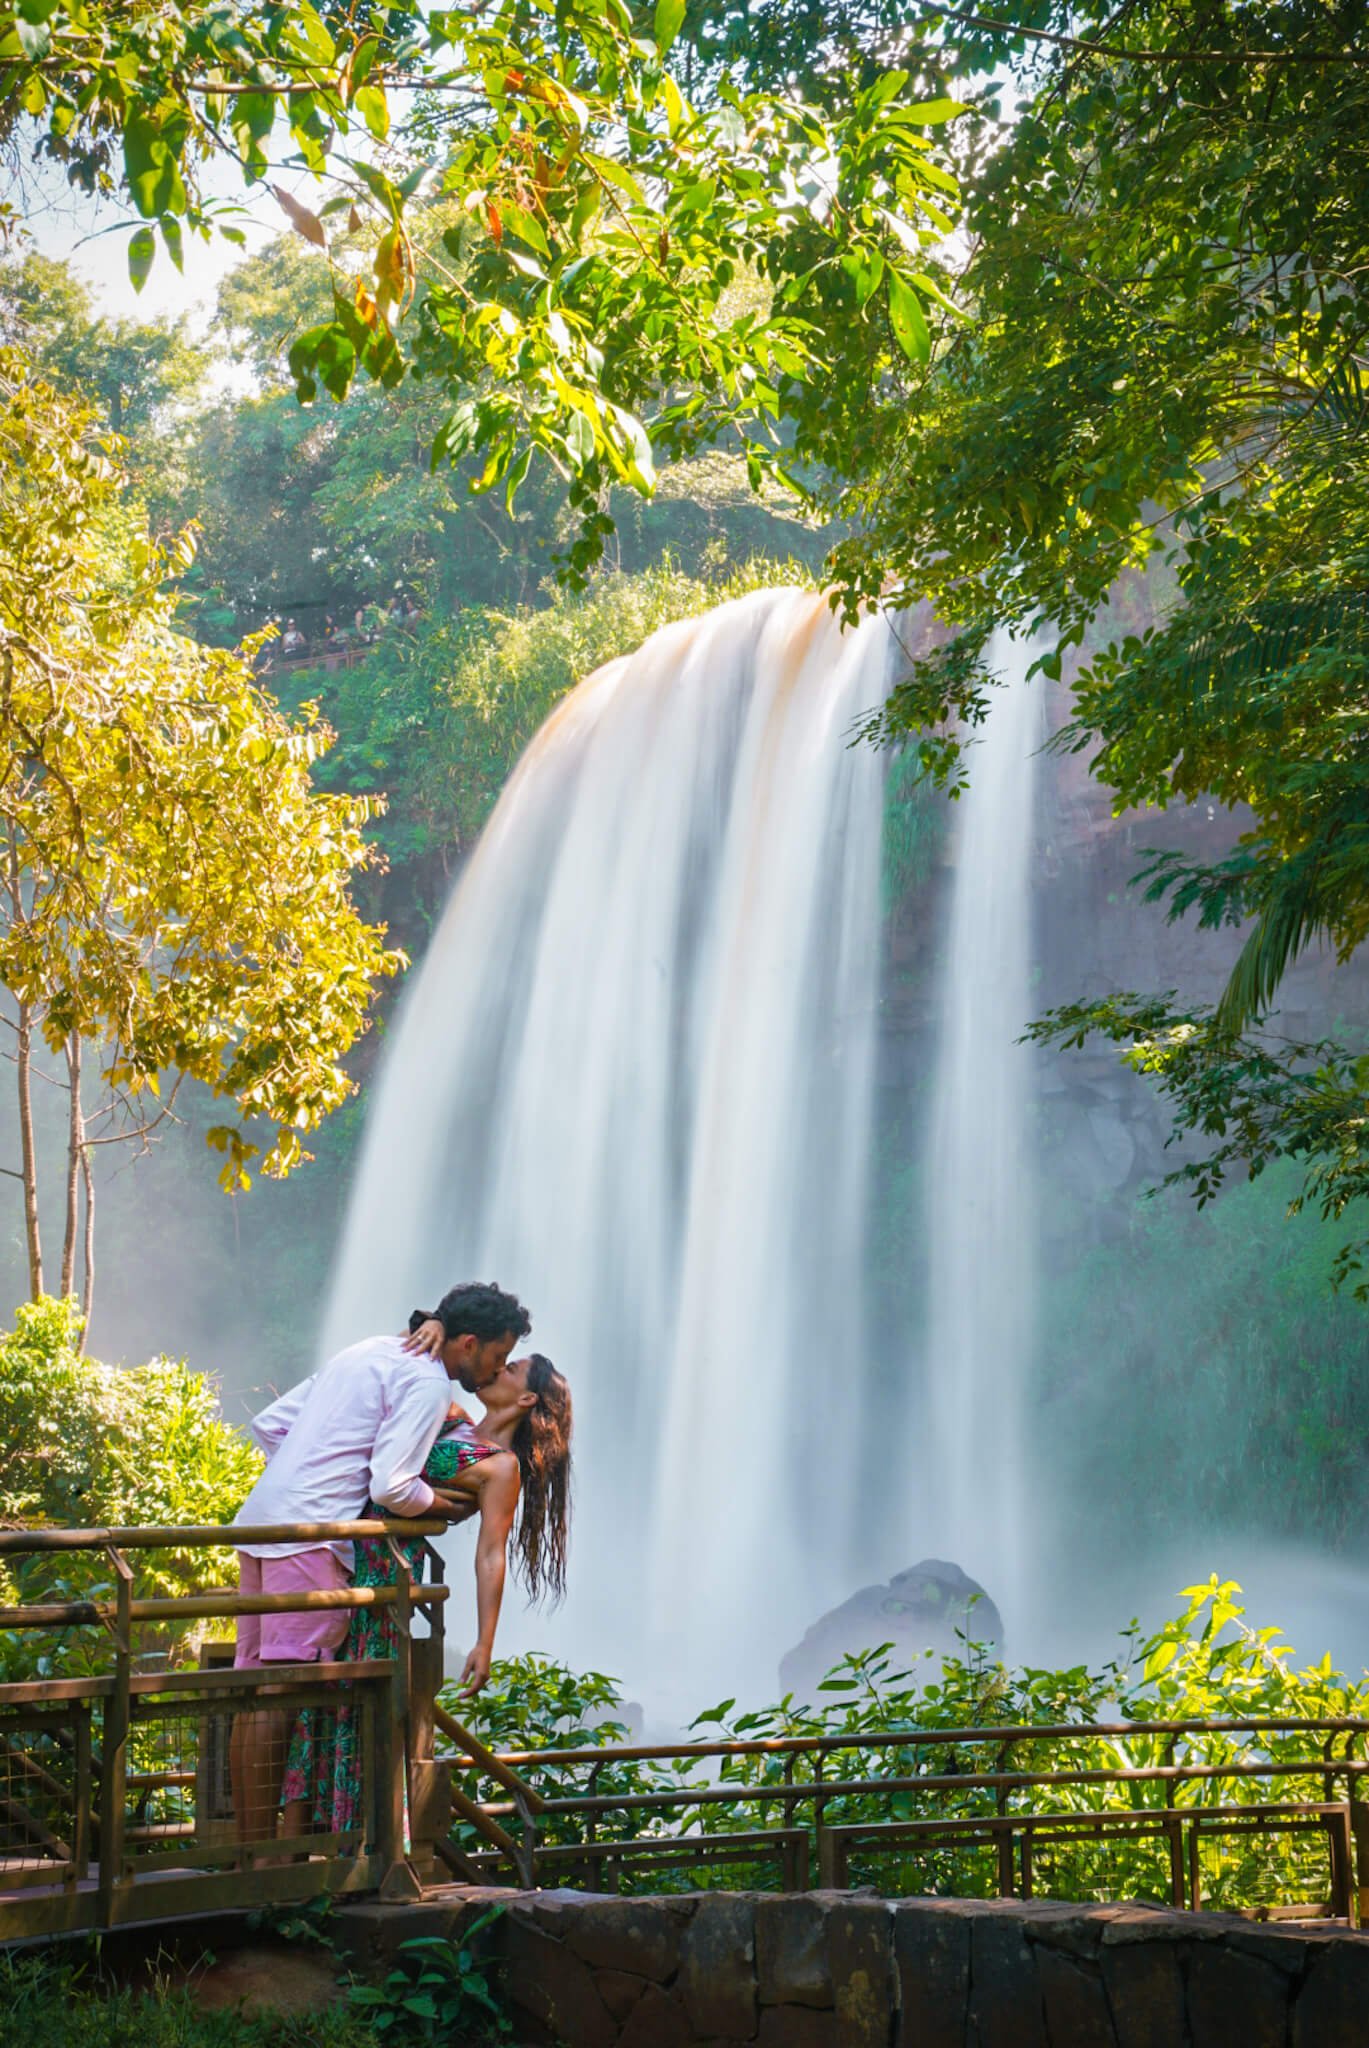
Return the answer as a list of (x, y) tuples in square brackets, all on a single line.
[(981, 1248), (633, 1081)]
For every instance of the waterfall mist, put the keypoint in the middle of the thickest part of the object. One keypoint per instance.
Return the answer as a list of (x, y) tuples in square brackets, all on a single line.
[(633, 1080), (979, 1184)]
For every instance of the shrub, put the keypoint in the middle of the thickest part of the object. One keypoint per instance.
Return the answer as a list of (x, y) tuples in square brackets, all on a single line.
[(86, 1444)]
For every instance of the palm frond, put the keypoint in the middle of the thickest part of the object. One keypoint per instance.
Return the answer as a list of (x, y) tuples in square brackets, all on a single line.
[(1301, 901), (1226, 658), (1283, 929)]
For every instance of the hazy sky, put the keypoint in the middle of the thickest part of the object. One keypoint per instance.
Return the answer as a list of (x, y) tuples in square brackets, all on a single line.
[(94, 238)]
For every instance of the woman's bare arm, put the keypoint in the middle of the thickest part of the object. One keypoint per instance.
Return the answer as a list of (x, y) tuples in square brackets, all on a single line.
[(498, 1484)]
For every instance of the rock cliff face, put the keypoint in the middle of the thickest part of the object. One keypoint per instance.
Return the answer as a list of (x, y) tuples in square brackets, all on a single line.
[(1101, 1130)]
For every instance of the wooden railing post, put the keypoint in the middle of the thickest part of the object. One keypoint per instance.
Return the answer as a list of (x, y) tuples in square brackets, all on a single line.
[(826, 1866), (114, 1746), (398, 1880), (429, 1803), (1359, 1828), (81, 1793)]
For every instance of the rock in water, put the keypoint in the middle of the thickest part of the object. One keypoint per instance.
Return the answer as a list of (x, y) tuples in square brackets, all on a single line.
[(920, 1609)]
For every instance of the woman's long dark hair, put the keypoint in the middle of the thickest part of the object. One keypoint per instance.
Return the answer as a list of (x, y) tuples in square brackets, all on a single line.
[(541, 1444)]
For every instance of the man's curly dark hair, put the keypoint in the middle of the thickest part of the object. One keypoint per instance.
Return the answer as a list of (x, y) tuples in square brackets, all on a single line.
[(477, 1309)]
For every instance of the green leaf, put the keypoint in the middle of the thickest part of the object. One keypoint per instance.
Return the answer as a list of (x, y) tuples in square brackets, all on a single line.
[(670, 16), (374, 108), (171, 235), (931, 113), (517, 472), (142, 248), (150, 166), (908, 320), (525, 225), (616, 174)]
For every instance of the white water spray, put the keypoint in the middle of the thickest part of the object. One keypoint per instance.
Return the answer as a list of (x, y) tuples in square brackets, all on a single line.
[(633, 1080), (979, 1191)]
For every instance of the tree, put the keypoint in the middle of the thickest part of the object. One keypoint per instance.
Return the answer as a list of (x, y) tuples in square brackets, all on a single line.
[(587, 221), (91, 1444), (1168, 359), (139, 374), (173, 890)]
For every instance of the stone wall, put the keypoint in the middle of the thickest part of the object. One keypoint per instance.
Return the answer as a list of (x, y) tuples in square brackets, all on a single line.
[(850, 1970)]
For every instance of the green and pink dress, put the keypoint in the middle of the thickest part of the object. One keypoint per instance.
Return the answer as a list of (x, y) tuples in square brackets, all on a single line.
[(323, 1766)]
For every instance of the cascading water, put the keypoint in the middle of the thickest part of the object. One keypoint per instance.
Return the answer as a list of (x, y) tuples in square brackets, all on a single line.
[(982, 1254), (633, 1080)]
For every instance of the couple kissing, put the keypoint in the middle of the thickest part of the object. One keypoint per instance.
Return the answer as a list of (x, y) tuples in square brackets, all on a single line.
[(375, 1432)]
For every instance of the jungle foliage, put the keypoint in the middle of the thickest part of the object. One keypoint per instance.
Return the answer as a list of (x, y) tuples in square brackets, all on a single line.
[(87, 1444), (1206, 1662), (549, 239), (1167, 359), (1198, 1374)]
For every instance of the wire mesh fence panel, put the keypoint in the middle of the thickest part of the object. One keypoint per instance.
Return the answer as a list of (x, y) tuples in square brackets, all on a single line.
[(314, 1745), (962, 1870), (1253, 1865), (39, 1808), (1095, 1868)]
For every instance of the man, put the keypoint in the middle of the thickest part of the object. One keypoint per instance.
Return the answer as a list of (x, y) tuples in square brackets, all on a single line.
[(359, 1429)]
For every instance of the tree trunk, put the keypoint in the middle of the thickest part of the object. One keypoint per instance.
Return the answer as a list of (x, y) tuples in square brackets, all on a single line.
[(28, 1150), (88, 1273), (76, 1132)]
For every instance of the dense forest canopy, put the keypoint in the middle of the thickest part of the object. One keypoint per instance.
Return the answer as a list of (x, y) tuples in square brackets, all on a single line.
[(1008, 306)]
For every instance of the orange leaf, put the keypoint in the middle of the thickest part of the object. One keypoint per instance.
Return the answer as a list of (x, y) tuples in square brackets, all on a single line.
[(301, 219), (496, 225)]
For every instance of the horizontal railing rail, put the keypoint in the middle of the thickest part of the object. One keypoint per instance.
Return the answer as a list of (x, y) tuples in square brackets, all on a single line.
[(209, 1536), (972, 1785), (883, 1738)]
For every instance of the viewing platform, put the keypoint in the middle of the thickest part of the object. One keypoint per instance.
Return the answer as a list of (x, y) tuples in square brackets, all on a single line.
[(116, 1801)]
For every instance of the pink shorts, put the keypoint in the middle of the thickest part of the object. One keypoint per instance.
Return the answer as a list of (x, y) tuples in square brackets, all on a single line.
[(306, 1638)]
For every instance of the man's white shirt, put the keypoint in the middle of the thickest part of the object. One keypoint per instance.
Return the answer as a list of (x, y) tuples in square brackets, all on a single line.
[(358, 1429)]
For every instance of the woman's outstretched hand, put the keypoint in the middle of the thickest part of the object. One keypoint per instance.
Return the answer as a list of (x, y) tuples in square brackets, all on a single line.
[(475, 1671), (428, 1338)]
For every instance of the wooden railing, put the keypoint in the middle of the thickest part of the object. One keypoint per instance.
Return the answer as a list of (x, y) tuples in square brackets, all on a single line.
[(115, 1795), (116, 1803), (961, 1809)]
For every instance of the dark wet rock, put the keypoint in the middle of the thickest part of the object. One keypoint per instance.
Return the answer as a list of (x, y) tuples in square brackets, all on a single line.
[(791, 1951), (640, 1935), (1333, 2001), (717, 1967), (657, 2021), (1235, 1999), (1005, 2006), (860, 1953), (920, 1609), (796, 2026), (544, 1980), (620, 1991), (1145, 1992), (932, 1968)]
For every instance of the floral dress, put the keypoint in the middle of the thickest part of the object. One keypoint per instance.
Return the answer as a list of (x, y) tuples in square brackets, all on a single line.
[(323, 1765)]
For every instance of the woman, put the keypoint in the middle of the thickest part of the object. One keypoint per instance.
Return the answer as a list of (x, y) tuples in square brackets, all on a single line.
[(514, 1467)]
